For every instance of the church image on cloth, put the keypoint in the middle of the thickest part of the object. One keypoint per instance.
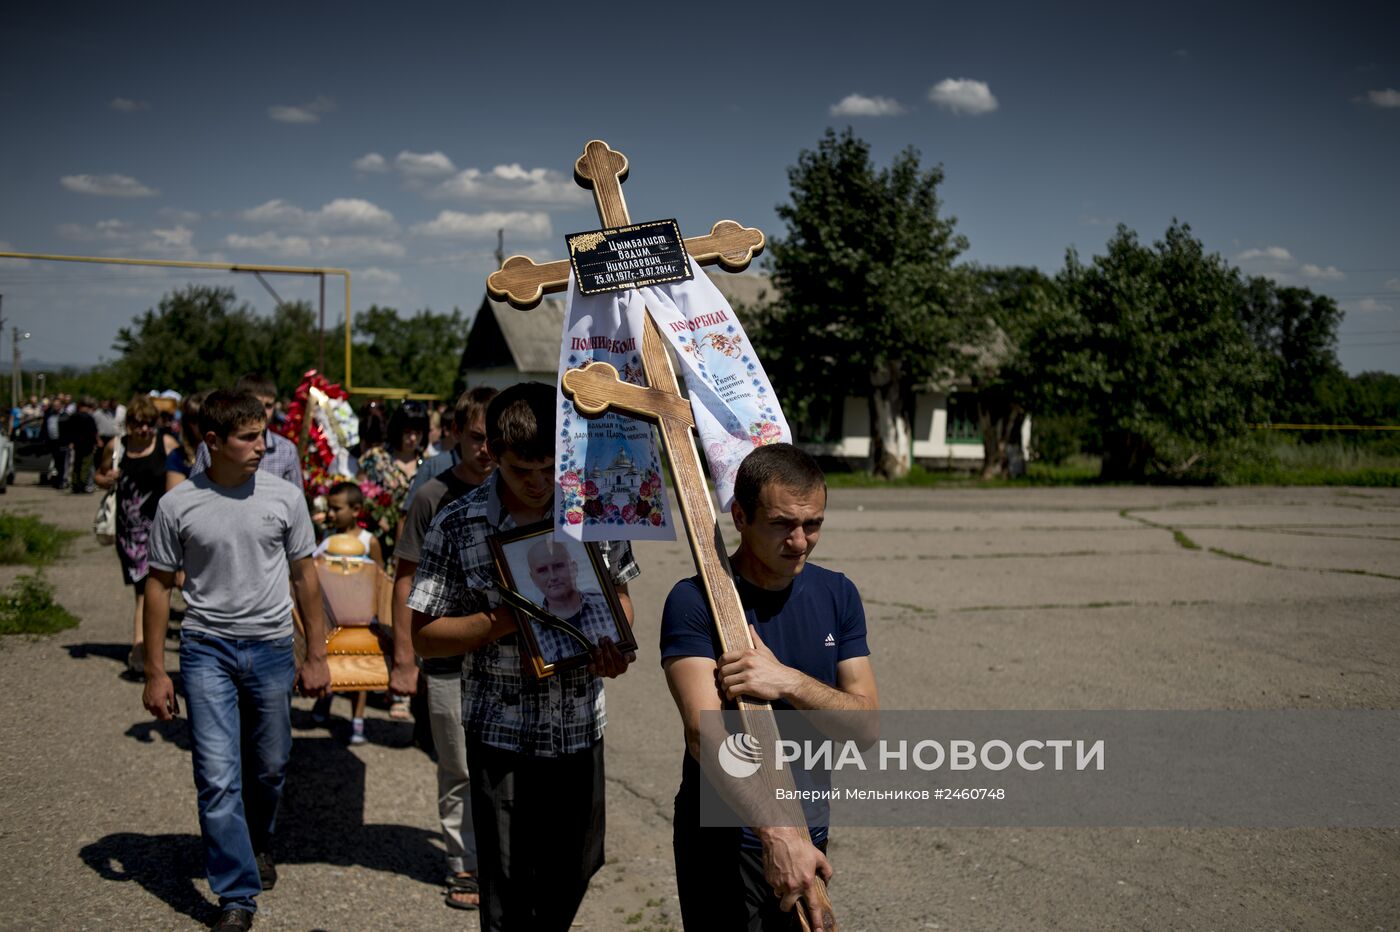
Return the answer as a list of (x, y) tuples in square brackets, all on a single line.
[(505, 346), (621, 481)]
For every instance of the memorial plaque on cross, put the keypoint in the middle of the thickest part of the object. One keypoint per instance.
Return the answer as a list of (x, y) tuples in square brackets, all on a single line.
[(596, 389)]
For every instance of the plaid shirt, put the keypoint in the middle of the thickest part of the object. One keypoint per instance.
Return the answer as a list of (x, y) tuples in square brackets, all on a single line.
[(593, 618), (502, 704), (280, 458)]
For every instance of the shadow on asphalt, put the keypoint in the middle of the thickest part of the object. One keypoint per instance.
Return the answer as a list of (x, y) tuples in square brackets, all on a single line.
[(115, 652), (166, 866), (321, 822)]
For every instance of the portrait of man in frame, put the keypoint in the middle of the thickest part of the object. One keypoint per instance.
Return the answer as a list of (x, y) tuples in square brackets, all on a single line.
[(566, 579)]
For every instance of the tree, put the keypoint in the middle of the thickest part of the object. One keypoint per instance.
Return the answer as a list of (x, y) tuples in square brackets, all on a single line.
[(871, 305), (422, 351), (1297, 332), (1158, 354), (1011, 372), (199, 337)]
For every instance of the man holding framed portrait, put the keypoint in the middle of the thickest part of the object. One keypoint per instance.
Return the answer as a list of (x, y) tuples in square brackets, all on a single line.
[(534, 743)]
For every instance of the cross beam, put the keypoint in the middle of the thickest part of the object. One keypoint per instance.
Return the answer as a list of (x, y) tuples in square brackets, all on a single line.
[(524, 283), (596, 389)]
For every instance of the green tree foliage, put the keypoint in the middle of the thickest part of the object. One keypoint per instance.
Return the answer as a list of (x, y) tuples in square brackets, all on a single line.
[(201, 337), (1374, 399), (871, 304), (1158, 354), (1297, 332), (1009, 372), (422, 351)]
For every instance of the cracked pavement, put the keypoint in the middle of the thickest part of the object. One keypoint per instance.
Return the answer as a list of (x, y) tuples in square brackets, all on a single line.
[(976, 599)]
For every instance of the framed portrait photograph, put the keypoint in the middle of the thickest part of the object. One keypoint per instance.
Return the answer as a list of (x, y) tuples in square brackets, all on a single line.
[(562, 594)]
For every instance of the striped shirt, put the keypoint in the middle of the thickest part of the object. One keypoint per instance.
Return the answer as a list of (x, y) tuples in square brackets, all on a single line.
[(503, 705)]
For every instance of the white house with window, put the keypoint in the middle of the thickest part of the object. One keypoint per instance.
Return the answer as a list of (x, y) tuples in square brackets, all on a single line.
[(506, 345)]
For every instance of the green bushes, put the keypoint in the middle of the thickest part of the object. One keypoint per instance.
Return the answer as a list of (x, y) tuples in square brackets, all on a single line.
[(27, 607), (25, 539)]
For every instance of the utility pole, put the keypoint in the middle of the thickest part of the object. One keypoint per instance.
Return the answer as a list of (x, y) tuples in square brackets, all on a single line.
[(15, 382), (500, 247), (2, 333)]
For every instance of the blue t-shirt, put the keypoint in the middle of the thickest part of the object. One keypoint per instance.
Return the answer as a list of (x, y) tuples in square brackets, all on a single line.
[(175, 462), (811, 626)]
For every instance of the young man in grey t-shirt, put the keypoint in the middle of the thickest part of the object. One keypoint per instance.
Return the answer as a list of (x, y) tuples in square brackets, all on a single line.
[(238, 534)]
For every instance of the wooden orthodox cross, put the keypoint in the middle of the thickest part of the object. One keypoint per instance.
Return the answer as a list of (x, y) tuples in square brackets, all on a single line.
[(597, 389)]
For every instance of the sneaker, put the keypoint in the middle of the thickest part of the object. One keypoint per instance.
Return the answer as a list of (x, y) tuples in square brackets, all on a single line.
[(357, 731), (234, 920), (267, 871)]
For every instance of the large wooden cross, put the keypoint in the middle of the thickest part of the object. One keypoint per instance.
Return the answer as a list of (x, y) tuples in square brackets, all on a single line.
[(596, 389)]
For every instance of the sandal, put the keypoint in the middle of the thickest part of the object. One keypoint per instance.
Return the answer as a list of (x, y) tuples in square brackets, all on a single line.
[(463, 884), (398, 710)]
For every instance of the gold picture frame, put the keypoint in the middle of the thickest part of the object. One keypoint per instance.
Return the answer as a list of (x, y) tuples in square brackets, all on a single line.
[(544, 577)]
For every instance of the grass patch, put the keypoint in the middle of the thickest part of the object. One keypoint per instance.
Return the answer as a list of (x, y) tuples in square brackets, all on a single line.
[(1037, 474), (25, 539), (1183, 541), (27, 607), (1231, 555)]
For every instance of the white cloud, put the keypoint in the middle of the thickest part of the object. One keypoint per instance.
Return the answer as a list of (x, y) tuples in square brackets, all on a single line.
[(275, 211), (372, 162), (303, 113), (518, 223), (1385, 99), (107, 185), (514, 184), (176, 242), (1392, 284), (109, 230), (127, 105), (120, 238), (331, 250), (424, 164), (1272, 253), (1277, 263), (857, 105), (348, 212), (290, 246), (1368, 306), (1329, 274), (377, 276), (343, 213), (963, 96)]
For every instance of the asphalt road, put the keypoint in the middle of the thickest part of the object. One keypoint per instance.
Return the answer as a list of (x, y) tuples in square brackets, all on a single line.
[(1016, 599)]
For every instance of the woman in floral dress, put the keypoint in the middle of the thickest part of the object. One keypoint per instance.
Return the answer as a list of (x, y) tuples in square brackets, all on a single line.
[(135, 464), (386, 473)]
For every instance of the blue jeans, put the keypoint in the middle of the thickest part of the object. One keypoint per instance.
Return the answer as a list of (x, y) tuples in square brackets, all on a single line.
[(238, 696)]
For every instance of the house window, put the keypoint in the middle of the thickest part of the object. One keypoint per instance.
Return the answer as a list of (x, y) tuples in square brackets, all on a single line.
[(962, 419)]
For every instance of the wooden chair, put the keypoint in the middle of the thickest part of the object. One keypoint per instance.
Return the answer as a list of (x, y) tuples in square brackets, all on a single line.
[(354, 593)]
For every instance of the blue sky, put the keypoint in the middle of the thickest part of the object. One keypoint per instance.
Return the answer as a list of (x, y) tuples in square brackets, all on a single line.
[(395, 140)]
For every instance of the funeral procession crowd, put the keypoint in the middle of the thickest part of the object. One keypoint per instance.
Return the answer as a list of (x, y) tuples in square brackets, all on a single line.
[(235, 513)]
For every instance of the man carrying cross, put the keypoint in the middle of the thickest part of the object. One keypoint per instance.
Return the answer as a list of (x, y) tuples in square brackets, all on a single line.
[(809, 652)]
